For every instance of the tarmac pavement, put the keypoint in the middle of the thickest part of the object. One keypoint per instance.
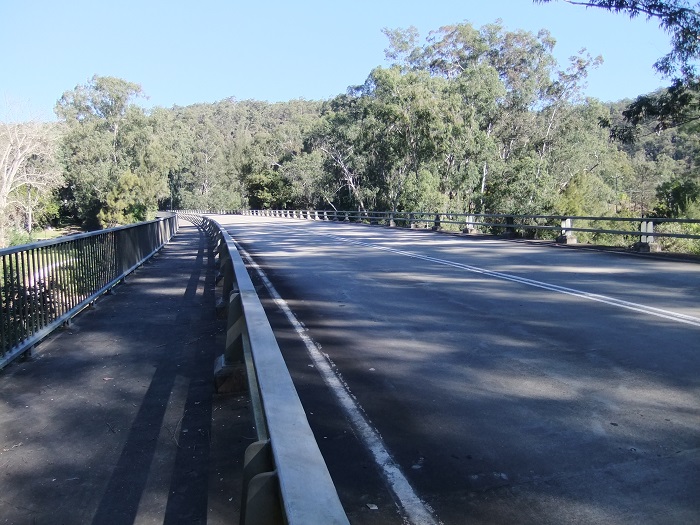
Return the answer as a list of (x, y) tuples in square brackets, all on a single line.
[(114, 419)]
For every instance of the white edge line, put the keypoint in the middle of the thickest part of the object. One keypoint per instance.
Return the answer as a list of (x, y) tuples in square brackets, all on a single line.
[(414, 509)]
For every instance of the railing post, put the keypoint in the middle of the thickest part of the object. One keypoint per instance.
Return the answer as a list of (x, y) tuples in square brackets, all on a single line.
[(567, 236), (260, 503), (411, 221), (470, 225), (229, 370), (510, 226), (436, 225), (229, 277), (646, 242), (392, 222)]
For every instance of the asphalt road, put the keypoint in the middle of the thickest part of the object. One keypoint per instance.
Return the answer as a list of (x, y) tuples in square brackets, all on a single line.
[(505, 381)]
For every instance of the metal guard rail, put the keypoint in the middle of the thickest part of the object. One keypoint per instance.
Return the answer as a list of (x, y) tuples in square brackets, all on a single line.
[(510, 223), (285, 479), (43, 285)]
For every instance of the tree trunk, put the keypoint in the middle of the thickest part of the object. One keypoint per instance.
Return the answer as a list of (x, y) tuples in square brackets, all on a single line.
[(483, 186)]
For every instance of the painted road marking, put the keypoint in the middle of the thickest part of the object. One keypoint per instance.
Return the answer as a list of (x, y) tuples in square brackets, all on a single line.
[(414, 509), (650, 310)]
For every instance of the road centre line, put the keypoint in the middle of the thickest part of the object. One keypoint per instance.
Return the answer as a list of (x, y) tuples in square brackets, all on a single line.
[(650, 310), (413, 508)]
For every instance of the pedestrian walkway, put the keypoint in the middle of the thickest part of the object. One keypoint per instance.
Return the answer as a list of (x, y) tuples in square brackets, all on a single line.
[(114, 419)]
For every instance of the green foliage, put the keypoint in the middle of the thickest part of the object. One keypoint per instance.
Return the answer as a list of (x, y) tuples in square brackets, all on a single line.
[(679, 104), (678, 198), (586, 195), (468, 120), (105, 137), (18, 237), (267, 190), (674, 244), (125, 203)]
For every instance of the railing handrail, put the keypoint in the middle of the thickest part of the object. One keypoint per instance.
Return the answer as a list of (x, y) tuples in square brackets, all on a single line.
[(43, 285), (75, 236), (306, 490), (646, 232)]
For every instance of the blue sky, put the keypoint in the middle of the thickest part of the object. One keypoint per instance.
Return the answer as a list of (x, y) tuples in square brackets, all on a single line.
[(187, 52)]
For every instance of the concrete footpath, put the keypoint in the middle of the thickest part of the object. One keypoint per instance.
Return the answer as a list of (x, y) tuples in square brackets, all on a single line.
[(114, 419)]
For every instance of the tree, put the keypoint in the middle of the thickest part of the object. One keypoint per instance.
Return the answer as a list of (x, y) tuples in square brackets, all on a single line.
[(402, 127), (338, 135), (676, 17), (95, 148), (497, 119), (680, 103), (27, 168), (124, 203)]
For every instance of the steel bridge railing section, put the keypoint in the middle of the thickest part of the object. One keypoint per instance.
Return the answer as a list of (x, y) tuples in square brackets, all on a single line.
[(645, 230), (43, 285), (285, 479)]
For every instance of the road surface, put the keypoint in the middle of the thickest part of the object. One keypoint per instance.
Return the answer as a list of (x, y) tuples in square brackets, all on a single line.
[(477, 380)]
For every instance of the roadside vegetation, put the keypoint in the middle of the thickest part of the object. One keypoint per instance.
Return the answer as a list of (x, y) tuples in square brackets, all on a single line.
[(465, 119)]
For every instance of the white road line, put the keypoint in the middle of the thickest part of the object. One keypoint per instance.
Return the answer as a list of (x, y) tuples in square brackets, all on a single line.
[(650, 310), (414, 509)]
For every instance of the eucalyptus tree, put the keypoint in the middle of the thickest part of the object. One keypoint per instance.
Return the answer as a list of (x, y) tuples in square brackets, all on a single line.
[(403, 127), (680, 103), (503, 111), (338, 135), (105, 139), (272, 154), (28, 171)]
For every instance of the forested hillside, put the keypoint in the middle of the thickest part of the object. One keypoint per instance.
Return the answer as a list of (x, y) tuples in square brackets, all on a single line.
[(467, 119)]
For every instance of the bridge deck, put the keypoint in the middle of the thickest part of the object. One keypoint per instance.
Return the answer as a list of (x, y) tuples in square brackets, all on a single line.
[(114, 420)]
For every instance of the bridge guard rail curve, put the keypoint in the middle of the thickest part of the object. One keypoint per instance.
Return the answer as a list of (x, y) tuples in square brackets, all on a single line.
[(285, 478)]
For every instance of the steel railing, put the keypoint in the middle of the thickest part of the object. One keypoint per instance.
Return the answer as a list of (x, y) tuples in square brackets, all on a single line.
[(285, 479), (43, 285), (644, 229)]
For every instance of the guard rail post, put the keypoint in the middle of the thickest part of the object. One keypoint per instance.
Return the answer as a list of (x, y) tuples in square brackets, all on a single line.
[(567, 236), (510, 226), (225, 273), (260, 503), (229, 370), (436, 224), (470, 225), (646, 242)]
